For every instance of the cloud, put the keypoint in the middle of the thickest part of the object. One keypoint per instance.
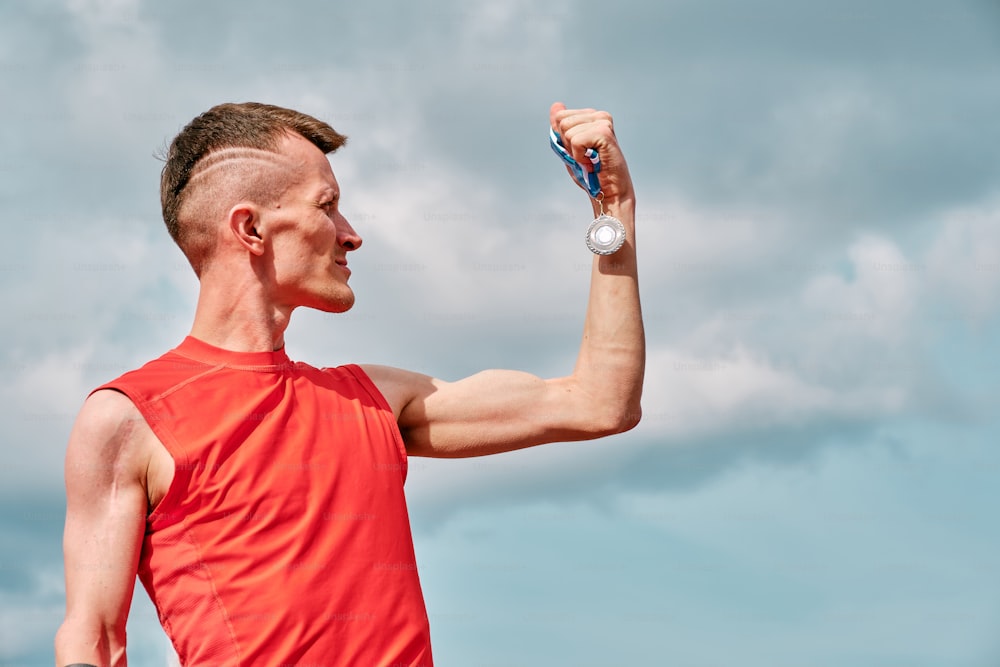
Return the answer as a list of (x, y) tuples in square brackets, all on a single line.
[(25, 625), (31, 582), (817, 228), (963, 265), (782, 377), (689, 396), (878, 298), (85, 308)]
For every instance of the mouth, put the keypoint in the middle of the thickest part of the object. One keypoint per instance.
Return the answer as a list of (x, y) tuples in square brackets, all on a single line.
[(342, 263)]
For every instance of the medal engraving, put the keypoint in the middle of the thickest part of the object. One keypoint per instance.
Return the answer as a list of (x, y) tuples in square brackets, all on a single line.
[(605, 235)]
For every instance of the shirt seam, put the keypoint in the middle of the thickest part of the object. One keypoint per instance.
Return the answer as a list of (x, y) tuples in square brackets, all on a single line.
[(254, 368)]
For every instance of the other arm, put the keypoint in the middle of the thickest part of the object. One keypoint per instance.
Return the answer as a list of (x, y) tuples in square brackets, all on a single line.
[(496, 411), (106, 506)]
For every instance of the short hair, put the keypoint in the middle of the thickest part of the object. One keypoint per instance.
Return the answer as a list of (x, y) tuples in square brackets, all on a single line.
[(230, 125)]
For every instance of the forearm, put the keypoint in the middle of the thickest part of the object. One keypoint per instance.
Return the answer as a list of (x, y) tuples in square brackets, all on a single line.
[(611, 363)]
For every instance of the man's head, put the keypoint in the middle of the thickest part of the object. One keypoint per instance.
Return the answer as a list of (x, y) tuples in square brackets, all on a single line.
[(240, 169), (233, 141)]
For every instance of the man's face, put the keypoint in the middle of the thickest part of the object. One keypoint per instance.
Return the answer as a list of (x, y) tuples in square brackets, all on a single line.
[(309, 237)]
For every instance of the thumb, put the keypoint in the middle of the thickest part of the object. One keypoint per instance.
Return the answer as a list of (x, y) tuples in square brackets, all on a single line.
[(553, 111)]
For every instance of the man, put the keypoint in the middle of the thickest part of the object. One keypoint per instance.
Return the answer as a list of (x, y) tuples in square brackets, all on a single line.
[(260, 500)]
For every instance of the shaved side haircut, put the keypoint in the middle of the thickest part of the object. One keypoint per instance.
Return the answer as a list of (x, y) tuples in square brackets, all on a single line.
[(232, 147)]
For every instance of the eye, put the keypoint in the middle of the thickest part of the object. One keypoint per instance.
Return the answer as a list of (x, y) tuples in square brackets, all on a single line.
[(328, 205)]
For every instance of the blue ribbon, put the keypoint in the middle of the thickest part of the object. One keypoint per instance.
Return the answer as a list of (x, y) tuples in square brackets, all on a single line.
[(587, 179)]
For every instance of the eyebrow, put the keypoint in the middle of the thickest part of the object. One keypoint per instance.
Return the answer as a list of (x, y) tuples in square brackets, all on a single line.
[(328, 193)]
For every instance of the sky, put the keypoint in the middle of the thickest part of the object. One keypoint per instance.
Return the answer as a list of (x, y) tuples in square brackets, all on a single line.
[(818, 231)]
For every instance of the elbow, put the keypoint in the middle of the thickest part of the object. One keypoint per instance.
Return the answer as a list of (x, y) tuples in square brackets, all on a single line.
[(629, 418), (618, 420), (68, 644), (94, 642)]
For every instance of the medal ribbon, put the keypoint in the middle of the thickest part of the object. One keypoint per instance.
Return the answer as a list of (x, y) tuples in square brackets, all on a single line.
[(598, 239), (587, 179)]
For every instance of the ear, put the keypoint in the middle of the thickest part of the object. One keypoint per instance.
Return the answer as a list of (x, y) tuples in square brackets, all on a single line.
[(244, 223)]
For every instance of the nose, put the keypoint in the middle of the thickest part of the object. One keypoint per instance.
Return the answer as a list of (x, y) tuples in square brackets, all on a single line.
[(346, 236)]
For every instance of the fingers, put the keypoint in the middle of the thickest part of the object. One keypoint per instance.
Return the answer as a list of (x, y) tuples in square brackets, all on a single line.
[(581, 129), (562, 119)]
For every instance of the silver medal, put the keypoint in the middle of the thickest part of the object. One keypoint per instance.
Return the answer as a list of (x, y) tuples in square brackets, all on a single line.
[(605, 235)]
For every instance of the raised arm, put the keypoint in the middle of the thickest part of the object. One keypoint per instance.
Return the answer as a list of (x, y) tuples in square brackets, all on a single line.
[(496, 411), (106, 505)]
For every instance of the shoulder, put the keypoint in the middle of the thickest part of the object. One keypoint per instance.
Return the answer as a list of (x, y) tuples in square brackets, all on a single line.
[(108, 439), (106, 412), (398, 386)]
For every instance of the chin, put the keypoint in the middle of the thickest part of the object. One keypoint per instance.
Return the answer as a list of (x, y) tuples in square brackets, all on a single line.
[(340, 303)]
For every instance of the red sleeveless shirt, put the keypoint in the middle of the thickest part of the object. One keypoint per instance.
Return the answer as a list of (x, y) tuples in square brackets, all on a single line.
[(284, 537)]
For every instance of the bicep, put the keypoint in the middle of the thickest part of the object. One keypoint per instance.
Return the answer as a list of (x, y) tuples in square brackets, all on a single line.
[(486, 413), (105, 521)]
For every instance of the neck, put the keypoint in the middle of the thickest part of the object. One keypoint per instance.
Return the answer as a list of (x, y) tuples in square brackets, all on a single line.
[(237, 315)]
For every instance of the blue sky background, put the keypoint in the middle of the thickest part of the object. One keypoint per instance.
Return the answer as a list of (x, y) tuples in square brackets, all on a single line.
[(814, 480)]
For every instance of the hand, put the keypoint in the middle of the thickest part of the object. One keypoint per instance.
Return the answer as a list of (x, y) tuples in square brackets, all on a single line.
[(581, 129)]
